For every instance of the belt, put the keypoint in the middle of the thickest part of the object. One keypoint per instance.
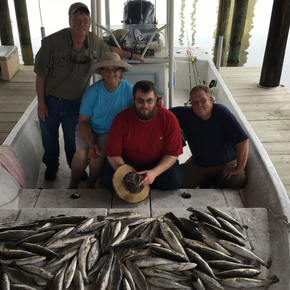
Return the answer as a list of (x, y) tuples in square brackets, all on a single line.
[(62, 99)]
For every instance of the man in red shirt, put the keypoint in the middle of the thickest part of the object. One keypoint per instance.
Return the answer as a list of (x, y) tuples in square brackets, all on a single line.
[(148, 138)]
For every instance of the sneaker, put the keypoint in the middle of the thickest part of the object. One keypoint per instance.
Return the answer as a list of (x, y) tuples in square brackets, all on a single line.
[(50, 173), (84, 176)]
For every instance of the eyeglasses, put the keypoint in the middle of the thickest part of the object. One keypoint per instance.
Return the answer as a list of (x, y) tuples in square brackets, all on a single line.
[(108, 70), (196, 103), (142, 101), (80, 21)]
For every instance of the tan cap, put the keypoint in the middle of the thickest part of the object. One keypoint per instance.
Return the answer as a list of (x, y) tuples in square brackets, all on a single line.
[(122, 191), (74, 7)]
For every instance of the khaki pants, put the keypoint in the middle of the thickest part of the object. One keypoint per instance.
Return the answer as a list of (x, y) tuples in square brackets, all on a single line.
[(205, 177)]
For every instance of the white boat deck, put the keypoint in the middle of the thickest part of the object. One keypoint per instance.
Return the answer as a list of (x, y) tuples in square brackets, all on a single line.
[(53, 198)]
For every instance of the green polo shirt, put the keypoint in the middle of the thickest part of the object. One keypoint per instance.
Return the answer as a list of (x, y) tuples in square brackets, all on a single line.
[(67, 71)]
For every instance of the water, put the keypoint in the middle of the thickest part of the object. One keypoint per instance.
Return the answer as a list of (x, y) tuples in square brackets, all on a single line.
[(195, 24)]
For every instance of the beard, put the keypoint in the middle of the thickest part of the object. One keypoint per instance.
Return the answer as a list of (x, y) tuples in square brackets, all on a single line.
[(145, 114)]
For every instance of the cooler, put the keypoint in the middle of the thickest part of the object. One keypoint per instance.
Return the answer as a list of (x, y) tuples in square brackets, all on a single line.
[(9, 62)]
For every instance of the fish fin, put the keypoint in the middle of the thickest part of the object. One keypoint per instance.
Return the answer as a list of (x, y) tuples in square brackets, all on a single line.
[(274, 279), (268, 264)]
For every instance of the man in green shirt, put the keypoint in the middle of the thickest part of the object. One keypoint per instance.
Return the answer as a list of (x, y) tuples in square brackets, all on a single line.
[(63, 70)]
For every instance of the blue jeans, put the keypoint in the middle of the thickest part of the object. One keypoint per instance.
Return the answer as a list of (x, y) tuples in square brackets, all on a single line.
[(59, 112), (170, 179)]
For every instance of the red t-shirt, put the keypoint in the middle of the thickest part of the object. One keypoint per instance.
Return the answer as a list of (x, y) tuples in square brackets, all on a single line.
[(144, 142)]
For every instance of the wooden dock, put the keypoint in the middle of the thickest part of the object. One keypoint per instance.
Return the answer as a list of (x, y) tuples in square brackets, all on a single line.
[(267, 110)]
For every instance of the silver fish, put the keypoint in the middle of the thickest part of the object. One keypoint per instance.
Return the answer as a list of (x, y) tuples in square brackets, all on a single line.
[(208, 252), (64, 241), (94, 227), (216, 246), (78, 281), (60, 234), (128, 276), (138, 276), (105, 236), (82, 257), (203, 216), (201, 263), (18, 277), (82, 226), (94, 254), (169, 253), (59, 277), (154, 272), (242, 251), (35, 238), (227, 265), (116, 274), (16, 235), (234, 273), (152, 261), (5, 283), (15, 254), (217, 212), (125, 284), (64, 219), (22, 287), (24, 261), (166, 283), (171, 239), (198, 285), (162, 242), (230, 227), (245, 283), (70, 272), (122, 215), (37, 249), (155, 229), (104, 274), (176, 266), (137, 230), (98, 266), (34, 269), (61, 258), (120, 237), (209, 281), (226, 235)]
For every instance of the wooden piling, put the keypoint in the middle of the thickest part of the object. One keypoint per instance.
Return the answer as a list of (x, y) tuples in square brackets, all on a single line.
[(24, 32), (223, 20), (222, 29), (276, 44), (5, 24), (238, 26)]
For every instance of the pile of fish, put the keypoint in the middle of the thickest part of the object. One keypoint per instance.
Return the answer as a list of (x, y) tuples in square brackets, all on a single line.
[(127, 251)]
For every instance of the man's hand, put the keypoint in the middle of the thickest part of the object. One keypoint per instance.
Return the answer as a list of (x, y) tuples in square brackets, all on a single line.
[(94, 152), (149, 177), (42, 111), (231, 170), (137, 56)]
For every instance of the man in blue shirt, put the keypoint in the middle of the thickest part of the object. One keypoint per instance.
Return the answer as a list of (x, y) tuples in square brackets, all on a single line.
[(218, 143)]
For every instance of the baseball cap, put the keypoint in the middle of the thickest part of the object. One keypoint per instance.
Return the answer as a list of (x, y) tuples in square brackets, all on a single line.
[(74, 7)]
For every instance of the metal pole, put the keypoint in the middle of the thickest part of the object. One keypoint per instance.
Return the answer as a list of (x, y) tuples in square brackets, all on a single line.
[(42, 29), (107, 12), (170, 19), (219, 52), (93, 16)]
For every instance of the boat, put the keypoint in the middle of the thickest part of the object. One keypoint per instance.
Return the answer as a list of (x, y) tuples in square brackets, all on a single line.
[(263, 204)]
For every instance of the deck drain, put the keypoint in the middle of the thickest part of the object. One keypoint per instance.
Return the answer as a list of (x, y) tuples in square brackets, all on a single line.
[(75, 196), (186, 195)]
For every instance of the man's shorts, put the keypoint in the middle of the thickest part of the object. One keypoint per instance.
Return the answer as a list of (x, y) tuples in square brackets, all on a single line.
[(100, 140)]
